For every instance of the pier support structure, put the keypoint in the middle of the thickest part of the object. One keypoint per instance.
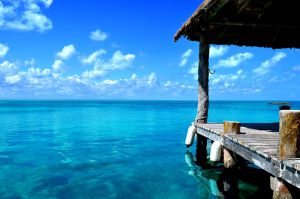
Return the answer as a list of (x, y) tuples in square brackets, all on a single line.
[(232, 128), (203, 99), (289, 147)]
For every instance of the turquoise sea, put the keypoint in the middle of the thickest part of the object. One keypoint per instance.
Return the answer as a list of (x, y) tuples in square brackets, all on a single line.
[(112, 149)]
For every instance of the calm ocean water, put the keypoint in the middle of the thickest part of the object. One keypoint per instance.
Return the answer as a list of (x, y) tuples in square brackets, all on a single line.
[(110, 149)]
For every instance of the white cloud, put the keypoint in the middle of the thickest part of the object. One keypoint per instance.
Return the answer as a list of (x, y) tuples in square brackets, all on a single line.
[(217, 51), (93, 74), (3, 50), (194, 70), (12, 79), (98, 35), (168, 84), (264, 68), (24, 15), (47, 2), (133, 76), (30, 62), (57, 65), (66, 52), (176, 88), (296, 68), (7, 67), (46, 82), (184, 57), (152, 79), (38, 72), (110, 82), (117, 61), (227, 79), (251, 90), (120, 61), (234, 60), (93, 58)]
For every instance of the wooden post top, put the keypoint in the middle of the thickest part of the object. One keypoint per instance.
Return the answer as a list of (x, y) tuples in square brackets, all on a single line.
[(232, 127)]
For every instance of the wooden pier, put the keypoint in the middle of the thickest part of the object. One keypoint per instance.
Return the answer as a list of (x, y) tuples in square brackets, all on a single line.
[(257, 143), (272, 24)]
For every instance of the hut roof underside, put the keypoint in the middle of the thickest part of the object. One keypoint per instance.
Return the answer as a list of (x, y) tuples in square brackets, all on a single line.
[(263, 23)]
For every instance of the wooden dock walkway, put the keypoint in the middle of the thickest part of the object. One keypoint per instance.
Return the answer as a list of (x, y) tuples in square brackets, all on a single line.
[(257, 143)]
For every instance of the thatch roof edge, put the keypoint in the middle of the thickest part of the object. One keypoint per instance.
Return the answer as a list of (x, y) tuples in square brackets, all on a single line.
[(195, 17)]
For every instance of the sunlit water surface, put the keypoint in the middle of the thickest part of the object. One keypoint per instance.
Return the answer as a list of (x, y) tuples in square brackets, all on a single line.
[(110, 149)]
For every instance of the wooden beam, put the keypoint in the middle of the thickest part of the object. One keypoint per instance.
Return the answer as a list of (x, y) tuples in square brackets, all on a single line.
[(228, 23)]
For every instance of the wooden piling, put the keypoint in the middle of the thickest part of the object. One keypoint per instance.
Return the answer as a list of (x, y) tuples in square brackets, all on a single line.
[(280, 190), (203, 100), (288, 147), (233, 128), (289, 134)]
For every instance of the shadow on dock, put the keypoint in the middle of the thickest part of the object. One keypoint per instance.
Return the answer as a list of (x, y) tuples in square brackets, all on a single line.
[(271, 127)]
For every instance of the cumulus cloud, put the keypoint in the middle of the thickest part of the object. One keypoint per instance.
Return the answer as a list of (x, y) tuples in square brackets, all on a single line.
[(67, 52), (47, 3), (227, 79), (231, 82), (217, 51), (234, 60), (98, 35), (3, 50), (118, 61), (57, 65), (93, 74), (25, 77), (110, 82), (7, 67), (24, 15), (46, 82), (93, 58), (12, 79), (264, 68), (184, 57), (194, 70)]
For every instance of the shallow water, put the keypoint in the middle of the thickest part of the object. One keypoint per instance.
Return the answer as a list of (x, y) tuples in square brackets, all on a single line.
[(111, 149)]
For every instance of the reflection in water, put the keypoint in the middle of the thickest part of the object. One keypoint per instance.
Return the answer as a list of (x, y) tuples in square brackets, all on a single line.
[(205, 178), (250, 182)]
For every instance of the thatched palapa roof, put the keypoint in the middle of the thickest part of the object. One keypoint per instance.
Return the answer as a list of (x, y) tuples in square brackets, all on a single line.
[(264, 23)]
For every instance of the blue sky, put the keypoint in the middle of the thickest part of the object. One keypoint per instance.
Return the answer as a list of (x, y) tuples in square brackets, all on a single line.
[(91, 49)]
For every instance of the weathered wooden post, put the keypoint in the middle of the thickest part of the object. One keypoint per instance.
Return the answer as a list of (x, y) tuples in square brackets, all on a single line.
[(289, 147), (230, 183), (230, 127), (203, 100), (289, 134)]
